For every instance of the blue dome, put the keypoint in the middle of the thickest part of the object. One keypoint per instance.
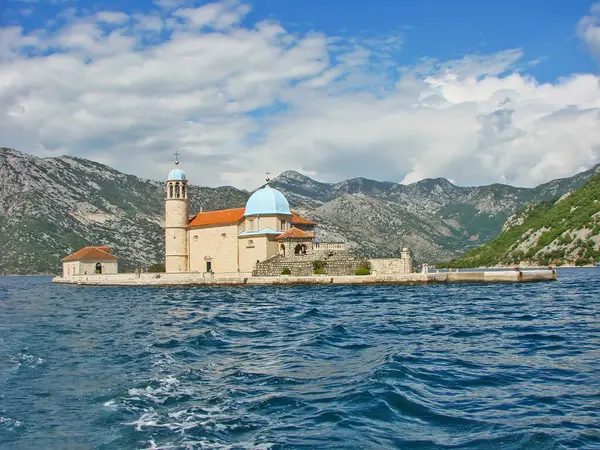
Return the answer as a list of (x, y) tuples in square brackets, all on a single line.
[(267, 201), (176, 175)]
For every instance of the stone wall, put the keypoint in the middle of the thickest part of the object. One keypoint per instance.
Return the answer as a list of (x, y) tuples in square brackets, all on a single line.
[(217, 244), (302, 266), (178, 279), (391, 266)]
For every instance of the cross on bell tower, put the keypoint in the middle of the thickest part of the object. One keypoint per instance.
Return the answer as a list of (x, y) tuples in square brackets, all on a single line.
[(176, 157), (268, 176)]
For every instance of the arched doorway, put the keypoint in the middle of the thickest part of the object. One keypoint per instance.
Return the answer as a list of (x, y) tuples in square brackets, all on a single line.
[(300, 249), (282, 248), (98, 268)]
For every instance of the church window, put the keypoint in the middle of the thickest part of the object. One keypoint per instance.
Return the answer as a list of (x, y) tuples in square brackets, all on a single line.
[(251, 224), (283, 222), (170, 190), (177, 190), (195, 237), (209, 266), (250, 243), (183, 191), (223, 235)]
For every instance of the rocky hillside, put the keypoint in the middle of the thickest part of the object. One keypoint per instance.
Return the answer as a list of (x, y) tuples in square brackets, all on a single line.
[(50, 207), (434, 218), (566, 231)]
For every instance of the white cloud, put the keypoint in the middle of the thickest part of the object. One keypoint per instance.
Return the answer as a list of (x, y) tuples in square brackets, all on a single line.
[(588, 30), (148, 22), (237, 99), (113, 17), (219, 15)]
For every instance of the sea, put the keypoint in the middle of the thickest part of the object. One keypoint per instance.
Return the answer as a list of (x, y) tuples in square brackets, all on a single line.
[(440, 366)]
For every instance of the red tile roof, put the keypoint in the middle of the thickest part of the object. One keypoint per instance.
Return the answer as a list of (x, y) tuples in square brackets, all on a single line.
[(225, 216), (296, 219), (222, 216), (295, 233), (91, 253)]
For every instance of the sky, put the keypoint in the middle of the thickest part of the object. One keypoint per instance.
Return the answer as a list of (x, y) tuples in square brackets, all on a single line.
[(476, 92)]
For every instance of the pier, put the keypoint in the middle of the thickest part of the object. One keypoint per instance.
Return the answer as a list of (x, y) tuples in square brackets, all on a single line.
[(207, 279)]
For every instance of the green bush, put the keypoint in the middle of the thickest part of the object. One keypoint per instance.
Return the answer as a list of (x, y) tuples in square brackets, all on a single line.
[(319, 265), (286, 271), (362, 271), (365, 264), (156, 268), (319, 272)]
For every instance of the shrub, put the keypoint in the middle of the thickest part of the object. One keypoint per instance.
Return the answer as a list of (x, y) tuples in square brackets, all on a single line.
[(156, 268), (319, 272), (319, 265), (362, 271), (365, 264), (286, 271)]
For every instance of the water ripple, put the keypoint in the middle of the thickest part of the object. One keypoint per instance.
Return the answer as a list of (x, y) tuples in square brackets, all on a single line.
[(425, 367)]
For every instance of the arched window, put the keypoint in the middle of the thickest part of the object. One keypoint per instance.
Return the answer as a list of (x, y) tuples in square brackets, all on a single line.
[(250, 243), (183, 194), (170, 190), (177, 190)]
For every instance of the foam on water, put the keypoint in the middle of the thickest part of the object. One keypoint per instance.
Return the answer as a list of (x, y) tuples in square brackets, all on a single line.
[(444, 366)]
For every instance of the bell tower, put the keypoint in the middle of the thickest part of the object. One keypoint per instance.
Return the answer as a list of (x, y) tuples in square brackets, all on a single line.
[(177, 208)]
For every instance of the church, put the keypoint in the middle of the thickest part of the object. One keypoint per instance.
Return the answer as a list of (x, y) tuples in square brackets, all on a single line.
[(265, 238), (231, 242)]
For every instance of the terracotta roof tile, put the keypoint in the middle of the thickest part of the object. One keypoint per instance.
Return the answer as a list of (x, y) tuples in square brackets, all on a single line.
[(90, 253), (217, 217), (295, 233), (296, 219), (232, 216)]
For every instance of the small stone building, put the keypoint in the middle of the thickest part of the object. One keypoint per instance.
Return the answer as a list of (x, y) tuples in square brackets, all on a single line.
[(89, 261)]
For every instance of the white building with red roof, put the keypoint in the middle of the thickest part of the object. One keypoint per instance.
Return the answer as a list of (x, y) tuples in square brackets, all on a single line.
[(89, 261)]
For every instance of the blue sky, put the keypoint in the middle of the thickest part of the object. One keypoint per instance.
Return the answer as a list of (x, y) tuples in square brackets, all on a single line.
[(474, 91), (438, 29)]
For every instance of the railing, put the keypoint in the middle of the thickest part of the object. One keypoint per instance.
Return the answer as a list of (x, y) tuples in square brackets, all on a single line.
[(335, 246)]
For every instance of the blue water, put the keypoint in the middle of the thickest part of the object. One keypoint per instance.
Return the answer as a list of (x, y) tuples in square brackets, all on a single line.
[(501, 366)]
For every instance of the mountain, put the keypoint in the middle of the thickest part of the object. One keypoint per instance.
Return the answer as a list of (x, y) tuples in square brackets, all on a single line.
[(50, 207), (565, 231), (434, 218)]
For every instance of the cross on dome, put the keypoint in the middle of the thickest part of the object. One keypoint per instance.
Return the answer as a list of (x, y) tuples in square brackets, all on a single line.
[(268, 178), (176, 157)]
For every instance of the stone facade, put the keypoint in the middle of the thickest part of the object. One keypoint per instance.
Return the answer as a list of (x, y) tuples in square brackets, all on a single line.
[(177, 211), (303, 266), (213, 249), (88, 267), (391, 266)]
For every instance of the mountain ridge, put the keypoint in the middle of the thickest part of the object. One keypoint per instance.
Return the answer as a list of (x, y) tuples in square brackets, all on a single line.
[(565, 231), (52, 206)]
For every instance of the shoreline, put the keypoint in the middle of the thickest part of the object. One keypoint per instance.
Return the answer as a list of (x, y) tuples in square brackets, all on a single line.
[(201, 279)]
